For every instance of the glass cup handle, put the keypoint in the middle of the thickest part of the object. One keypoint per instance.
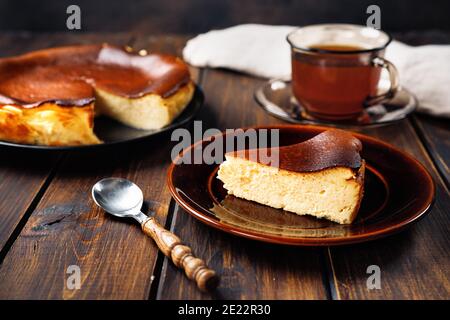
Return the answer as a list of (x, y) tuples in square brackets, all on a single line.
[(393, 78)]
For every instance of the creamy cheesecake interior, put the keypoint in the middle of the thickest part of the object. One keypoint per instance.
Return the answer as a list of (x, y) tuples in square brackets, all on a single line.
[(149, 112), (48, 124), (333, 193)]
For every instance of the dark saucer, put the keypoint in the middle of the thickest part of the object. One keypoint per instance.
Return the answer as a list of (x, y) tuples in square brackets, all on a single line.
[(275, 97)]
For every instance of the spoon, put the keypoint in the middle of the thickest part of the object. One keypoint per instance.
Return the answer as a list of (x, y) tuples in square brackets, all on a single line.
[(122, 198)]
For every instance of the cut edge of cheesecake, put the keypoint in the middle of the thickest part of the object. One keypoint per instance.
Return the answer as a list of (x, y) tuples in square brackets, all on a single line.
[(54, 124), (332, 191), (151, 111)]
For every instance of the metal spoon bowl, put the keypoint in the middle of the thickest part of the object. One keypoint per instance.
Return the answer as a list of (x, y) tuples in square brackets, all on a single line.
[(119, 197)]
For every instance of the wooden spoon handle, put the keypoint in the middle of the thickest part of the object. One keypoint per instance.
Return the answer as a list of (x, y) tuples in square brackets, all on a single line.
[(181, 255)]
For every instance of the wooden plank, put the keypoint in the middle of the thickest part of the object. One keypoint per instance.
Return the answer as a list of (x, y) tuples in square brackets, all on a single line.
[(116, 259), (435, 134), (248, 269), (414, 264)]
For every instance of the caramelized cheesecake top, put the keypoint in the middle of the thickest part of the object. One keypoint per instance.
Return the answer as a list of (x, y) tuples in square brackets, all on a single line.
[(329, 149), (68, 75)]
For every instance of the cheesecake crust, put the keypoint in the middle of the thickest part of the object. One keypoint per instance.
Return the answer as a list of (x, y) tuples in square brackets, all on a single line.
[(329, 149), (67, 76)]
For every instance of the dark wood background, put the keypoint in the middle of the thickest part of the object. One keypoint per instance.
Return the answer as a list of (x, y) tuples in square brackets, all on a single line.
[(49, 222), (195, 16)]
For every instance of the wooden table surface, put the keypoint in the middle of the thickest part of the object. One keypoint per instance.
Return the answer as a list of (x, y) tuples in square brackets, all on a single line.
[(49, 222)]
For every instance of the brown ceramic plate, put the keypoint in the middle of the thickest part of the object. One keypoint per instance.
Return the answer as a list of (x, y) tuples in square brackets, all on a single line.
[(398, 191)]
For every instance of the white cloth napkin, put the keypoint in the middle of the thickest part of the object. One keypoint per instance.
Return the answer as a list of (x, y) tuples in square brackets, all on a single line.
[(262, 50)]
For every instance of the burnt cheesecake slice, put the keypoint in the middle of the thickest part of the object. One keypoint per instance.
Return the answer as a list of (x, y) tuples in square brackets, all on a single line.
[(50, 96), (322, 177)]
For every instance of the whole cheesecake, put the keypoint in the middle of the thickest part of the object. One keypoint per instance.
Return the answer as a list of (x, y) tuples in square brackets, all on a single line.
[(322, 177), (50, 97)]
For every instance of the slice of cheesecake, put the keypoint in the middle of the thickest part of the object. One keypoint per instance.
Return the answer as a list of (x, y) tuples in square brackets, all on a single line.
[(50, 96), (322, 177)]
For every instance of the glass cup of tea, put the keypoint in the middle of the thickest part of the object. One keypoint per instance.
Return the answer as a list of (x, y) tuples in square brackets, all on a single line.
[(336, 69)]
